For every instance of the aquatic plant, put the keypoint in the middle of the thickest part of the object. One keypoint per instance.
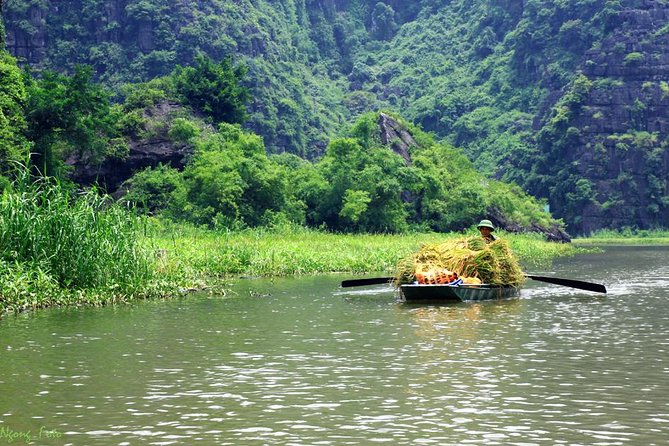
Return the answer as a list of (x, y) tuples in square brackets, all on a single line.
[(54, 239), (626, 236), (295, 250)]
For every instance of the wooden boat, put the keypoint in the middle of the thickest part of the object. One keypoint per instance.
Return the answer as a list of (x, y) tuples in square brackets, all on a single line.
[(429, 293)]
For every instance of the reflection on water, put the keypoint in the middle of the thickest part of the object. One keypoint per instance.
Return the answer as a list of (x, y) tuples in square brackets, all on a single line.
[(462, 321), (301, 362)]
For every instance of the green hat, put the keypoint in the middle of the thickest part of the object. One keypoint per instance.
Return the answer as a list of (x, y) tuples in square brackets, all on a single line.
[(486, 224)]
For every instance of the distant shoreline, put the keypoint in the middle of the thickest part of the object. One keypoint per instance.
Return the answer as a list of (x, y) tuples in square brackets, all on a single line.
[(624, 237)]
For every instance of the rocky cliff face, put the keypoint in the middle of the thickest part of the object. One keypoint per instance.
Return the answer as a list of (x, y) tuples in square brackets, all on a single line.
[(618, 136), (143, 153), (28, 40), (112, 172), (2, 29), (396, 137)]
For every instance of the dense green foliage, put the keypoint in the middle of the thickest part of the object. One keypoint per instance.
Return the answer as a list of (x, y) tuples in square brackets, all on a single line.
[(213, 89), (230, 181), (76, 239), (13, 144), (54, 116), (68, 114), (359, 185), (55, 243)]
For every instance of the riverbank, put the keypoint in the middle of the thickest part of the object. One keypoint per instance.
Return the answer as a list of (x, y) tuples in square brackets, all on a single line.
[(624, 237), (62, 247), (203, 255), (178, 258)]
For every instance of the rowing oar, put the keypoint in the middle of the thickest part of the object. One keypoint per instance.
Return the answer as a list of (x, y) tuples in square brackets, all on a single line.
[(364, 282), (588, 286)]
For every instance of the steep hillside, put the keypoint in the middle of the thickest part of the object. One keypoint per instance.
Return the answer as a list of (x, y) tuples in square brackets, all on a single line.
[(2, 28), (297, 102), (566, 98), (603, 158)]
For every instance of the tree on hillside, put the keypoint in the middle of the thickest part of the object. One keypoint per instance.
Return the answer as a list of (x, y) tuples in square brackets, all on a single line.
[(367, 182), (230, 182), (214, 89), (384, 26), (67, 115), (13, 145)]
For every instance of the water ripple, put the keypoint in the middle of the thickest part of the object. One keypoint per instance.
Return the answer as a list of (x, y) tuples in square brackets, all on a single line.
[(314, 366)]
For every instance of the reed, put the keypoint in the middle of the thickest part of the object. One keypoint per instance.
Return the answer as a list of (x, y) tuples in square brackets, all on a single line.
[(283, 252), (535, 252), (57, 245)]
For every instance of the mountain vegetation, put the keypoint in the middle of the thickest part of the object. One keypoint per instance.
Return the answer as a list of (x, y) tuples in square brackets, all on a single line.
[(564, 98), (359, 185)]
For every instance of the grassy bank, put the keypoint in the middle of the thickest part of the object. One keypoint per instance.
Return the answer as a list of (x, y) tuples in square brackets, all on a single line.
[(625, 237), (205, 255)]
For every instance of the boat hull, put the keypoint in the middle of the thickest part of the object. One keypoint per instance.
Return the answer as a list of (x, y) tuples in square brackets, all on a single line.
[(429, 293)]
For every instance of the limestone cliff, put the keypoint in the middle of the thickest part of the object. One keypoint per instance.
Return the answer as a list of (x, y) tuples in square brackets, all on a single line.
[(607, 166), (617, 133)]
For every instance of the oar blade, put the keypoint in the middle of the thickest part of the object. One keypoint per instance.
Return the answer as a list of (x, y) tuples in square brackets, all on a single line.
[(580, 284), (365, 282)]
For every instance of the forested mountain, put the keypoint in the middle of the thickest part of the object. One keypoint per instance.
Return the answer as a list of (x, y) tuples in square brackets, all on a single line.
[(566, 98)]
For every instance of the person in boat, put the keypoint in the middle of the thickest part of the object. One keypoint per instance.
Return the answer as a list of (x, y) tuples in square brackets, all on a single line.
[(486, 228)]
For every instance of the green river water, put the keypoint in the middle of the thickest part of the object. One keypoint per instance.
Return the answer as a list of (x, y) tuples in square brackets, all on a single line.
[(304, 362)]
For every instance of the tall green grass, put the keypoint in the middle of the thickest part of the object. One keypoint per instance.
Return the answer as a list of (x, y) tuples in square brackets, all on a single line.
[(290, 250), (57, 246)]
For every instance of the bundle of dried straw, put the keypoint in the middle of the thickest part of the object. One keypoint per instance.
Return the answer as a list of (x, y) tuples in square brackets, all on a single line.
[(493, 263)]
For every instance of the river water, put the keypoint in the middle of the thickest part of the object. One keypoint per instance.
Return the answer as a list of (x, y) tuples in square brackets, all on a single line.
[(303, 362)]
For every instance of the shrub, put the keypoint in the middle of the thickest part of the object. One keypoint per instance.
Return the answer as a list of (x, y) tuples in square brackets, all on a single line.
[(634, 58), (78, 240)]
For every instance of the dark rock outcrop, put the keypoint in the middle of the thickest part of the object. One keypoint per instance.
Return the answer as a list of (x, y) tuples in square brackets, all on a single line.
[(112, 172), (143, 153), (553, 233), (396, 137)]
